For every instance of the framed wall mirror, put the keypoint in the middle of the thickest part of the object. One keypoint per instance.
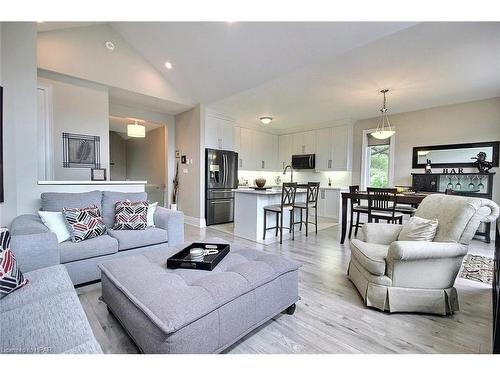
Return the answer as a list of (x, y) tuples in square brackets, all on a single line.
[(455, 155)]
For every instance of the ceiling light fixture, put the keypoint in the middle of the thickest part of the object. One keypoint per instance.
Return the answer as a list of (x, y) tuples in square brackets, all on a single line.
[(384, 129), (136, 131), (168, 65), (110, 45), (266, 120)]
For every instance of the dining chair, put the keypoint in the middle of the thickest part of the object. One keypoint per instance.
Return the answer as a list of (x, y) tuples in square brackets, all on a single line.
[(382, 205), (310, 203), (406, 209), (356, 208), (288, 191)]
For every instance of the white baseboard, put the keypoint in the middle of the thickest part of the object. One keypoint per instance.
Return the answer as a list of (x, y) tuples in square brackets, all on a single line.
[(195, 221)]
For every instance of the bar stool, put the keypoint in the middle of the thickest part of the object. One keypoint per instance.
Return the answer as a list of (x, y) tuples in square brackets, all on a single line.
[(311, 202), (288, 192), (356, 208)]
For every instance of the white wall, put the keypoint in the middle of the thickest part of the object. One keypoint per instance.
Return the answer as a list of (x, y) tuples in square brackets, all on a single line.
[(189, 140), (19, 79), (78, 107), (477, 121)]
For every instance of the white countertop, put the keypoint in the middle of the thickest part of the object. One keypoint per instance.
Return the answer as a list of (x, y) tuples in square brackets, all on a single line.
[(76, 182), (249, 190)]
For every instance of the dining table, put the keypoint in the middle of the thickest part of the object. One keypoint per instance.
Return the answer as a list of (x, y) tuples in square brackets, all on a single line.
[(410, 198)]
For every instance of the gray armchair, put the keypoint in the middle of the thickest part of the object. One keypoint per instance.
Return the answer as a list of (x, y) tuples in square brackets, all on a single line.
[(418, 276)]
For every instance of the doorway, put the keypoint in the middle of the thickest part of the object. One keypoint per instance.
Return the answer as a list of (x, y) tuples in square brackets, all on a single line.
[(139, 158)]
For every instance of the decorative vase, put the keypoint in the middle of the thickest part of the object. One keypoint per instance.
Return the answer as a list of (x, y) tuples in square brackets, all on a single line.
[(173, 206), (260, 182)]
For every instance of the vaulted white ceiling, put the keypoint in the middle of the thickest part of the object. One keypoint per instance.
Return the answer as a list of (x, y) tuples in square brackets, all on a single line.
[(213, 60), (304, 74)]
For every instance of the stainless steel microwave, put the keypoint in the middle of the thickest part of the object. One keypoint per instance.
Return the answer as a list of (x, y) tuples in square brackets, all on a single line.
[(307, 161)]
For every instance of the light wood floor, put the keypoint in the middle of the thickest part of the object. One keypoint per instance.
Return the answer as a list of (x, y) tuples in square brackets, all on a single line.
[(330, 317)]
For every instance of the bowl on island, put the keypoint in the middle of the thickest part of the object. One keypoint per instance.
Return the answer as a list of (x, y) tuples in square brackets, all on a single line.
[(260, 182)]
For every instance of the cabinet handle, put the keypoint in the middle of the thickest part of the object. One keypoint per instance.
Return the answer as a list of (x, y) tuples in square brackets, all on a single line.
[(322, 194), (283, 165), (330, 164), (303, 149), (241, 162), (263, 164)]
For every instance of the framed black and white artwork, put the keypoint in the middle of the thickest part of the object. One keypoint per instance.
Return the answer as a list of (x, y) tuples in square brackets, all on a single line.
[(81, 151)]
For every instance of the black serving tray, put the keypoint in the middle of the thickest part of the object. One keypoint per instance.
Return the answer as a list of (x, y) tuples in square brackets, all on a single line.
[(182, 258)]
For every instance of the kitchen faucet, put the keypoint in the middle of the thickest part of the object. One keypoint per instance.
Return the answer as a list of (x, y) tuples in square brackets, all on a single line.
[(291, 172)]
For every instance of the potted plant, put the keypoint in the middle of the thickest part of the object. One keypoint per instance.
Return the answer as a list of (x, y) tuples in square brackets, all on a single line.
[(173, 205)]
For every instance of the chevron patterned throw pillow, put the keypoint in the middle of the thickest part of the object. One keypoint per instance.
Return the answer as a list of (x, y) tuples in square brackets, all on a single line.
[(84, 223), (131, 215), (11, 277)]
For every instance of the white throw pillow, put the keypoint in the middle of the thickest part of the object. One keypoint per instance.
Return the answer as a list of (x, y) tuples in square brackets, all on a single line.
[(56, 223), (151, 214), (418, 229)]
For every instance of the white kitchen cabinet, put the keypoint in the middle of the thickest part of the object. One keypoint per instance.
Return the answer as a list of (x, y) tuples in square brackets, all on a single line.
[(304, 143), (285, 151), (324, 149), (219, 132), (246, 161), (265, 151), (329, 203), (237, 139), (342, 144)]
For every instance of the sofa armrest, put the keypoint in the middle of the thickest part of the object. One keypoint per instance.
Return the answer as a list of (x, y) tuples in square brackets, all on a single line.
[(33, 245), (382, 234), (419, 250), (173, 222)]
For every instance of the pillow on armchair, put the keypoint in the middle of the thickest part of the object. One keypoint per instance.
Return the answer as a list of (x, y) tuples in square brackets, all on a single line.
[(84, 223), (131, 215), (418, 229)]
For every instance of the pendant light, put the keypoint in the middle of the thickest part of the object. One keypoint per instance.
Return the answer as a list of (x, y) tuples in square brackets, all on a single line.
[(384, 129), (136, 131)]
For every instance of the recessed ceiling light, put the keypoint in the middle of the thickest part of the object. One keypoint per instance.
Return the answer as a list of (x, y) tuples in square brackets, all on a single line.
[(110, 45), (168, 65), (266, 120)]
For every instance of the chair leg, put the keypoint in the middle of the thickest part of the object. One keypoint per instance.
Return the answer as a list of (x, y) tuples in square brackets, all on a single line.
[(357, 224), (265, 215), (281, 228), (316, 219), (277, 223), (401, 220), (307, 220), (351, 224), (300, 227), (292, 225)]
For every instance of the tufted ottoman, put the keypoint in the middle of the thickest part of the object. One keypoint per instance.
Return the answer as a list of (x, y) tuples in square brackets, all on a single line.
[(195, 311)]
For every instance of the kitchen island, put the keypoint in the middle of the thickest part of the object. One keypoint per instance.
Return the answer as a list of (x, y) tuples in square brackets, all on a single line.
[(249, 213)]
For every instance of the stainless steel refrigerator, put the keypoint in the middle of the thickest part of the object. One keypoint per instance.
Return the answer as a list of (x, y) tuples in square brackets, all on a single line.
[(221, 177)]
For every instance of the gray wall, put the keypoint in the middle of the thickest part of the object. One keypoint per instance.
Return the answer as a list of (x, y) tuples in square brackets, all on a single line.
[(77, 107), (117, 157), (189, 141), (476, 121), (19, 80)]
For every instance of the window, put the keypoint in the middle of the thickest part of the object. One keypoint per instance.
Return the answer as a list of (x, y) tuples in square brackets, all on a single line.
[(377, 163)]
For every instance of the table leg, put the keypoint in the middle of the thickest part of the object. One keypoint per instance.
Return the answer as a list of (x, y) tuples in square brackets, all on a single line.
[(344, 219)]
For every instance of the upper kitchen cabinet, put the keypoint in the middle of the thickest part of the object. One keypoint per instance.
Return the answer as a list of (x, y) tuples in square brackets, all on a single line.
[(333, 148), (342, 148), (324, 149), (285, 151), (304, 143), (265, 151), (245, 151), (219, 132)]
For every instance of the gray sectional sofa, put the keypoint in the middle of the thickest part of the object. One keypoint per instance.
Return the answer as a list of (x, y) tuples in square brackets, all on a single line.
[(45, 315), (32, 240)]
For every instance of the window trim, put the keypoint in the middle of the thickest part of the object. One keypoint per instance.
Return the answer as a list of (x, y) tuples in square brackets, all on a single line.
[(365, 173)]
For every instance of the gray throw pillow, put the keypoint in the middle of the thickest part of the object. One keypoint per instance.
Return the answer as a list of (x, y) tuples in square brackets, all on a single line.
[(418, 229)]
